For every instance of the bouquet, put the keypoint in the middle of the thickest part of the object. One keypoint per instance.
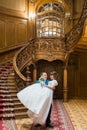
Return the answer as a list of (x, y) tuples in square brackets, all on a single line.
[(42, 81)]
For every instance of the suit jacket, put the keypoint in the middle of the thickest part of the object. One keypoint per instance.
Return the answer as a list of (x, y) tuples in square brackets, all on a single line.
[(46, 82)]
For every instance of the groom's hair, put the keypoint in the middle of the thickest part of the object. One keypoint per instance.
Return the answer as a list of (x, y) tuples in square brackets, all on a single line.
[(42, 73)]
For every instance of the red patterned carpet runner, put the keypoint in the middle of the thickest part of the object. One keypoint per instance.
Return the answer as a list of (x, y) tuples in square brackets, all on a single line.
[(7, 125), (59, 118), (4, 102)]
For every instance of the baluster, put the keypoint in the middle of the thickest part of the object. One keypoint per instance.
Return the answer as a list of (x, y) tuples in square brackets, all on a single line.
[(28, 82)]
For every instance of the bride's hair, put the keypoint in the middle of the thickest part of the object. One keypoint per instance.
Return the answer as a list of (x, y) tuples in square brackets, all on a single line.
[(55, 74)]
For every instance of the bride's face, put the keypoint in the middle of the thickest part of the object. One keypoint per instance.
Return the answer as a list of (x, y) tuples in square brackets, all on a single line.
[(51, 77)]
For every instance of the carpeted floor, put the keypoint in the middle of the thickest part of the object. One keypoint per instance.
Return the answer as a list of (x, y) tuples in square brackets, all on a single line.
[(59, 117), (74, 111), (64, 116)]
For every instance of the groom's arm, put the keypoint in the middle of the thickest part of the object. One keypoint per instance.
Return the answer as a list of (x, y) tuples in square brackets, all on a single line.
[(37, 81)]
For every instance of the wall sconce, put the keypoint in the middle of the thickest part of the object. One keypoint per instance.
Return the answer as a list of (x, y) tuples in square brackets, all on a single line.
[(32, 16)]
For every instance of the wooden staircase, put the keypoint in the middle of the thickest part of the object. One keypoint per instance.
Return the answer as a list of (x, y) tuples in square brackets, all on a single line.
[(10, 106)]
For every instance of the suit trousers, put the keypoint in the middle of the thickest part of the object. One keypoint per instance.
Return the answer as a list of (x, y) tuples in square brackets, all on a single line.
[(48, 120)]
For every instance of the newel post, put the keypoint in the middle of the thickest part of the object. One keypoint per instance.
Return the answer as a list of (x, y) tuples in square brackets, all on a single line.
[(28, 76), (35, 74)]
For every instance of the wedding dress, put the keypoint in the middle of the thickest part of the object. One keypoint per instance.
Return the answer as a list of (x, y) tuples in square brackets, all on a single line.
[(38, 100)]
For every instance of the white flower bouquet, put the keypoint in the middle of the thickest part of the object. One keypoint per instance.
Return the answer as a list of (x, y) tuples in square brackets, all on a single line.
[(42, 81)]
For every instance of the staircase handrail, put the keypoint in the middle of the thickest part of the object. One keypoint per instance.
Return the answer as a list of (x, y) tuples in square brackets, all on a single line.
[(19, 65), (73, 36)]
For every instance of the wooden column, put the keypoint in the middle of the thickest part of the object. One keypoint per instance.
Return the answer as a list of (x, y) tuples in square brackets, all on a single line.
[(35, 74), (65, 89)]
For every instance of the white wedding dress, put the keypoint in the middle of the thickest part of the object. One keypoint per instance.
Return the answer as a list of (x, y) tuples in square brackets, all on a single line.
[(38, 100)]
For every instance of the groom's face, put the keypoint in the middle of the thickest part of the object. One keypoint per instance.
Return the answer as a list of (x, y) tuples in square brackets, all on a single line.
[(44, 75)]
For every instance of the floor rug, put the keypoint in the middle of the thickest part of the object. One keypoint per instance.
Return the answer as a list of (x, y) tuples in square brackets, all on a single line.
[(59, 117)]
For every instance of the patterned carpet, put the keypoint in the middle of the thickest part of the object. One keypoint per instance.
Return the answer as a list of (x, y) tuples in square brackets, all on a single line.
[(8, 125), (74, 111), (59, 117)]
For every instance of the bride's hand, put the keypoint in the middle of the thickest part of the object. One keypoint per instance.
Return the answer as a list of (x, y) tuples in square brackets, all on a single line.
[(49, 87)]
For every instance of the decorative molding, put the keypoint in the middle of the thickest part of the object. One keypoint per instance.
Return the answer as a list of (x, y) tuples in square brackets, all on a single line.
[(15, 12), (33, 1), (49, 44)]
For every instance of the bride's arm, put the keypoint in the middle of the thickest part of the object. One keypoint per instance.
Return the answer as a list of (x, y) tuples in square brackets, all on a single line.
[(52, 88)]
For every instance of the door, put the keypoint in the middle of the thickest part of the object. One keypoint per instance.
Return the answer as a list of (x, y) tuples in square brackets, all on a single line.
[(45, 66)]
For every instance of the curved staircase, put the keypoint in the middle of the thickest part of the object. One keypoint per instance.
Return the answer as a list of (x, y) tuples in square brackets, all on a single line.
[(36, 49), (49, 49), (10, 106)]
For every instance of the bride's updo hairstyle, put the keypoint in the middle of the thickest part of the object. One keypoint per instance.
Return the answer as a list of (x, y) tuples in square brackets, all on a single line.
[(55, 74)]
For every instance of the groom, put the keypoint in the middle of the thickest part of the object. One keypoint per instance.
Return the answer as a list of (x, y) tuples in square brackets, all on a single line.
[(48, 121)]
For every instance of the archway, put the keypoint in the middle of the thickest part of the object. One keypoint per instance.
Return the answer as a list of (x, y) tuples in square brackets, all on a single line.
[(57, 65)]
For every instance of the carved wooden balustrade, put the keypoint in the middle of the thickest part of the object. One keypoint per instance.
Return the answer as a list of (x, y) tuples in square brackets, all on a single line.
[(50, 49), (23, 57), (75, 33)]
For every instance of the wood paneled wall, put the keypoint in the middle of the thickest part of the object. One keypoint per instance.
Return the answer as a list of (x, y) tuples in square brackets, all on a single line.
[(83, 75), (13, 26), (77, 76), (13, 32)]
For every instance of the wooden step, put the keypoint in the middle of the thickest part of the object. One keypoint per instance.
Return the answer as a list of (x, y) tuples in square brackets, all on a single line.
[(11, 88), (4, 93), (9, 100), (13, 91), (3, 78), (20, 109), (6, 110), (17, 104), (13, 116), (7, 90), (10, 106), (21, 115), (11, 80), (7, 96), (6, 106), (3, 81), (11, 74), (11, 83)]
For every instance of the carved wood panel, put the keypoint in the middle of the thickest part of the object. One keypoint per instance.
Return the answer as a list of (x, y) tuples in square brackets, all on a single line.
[(13, 32), (2, 34)]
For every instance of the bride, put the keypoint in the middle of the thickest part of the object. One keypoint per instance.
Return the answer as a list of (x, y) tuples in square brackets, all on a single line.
[(38, 98)]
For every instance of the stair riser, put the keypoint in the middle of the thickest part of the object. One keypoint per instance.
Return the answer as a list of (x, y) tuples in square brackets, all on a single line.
[(10, 106)]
